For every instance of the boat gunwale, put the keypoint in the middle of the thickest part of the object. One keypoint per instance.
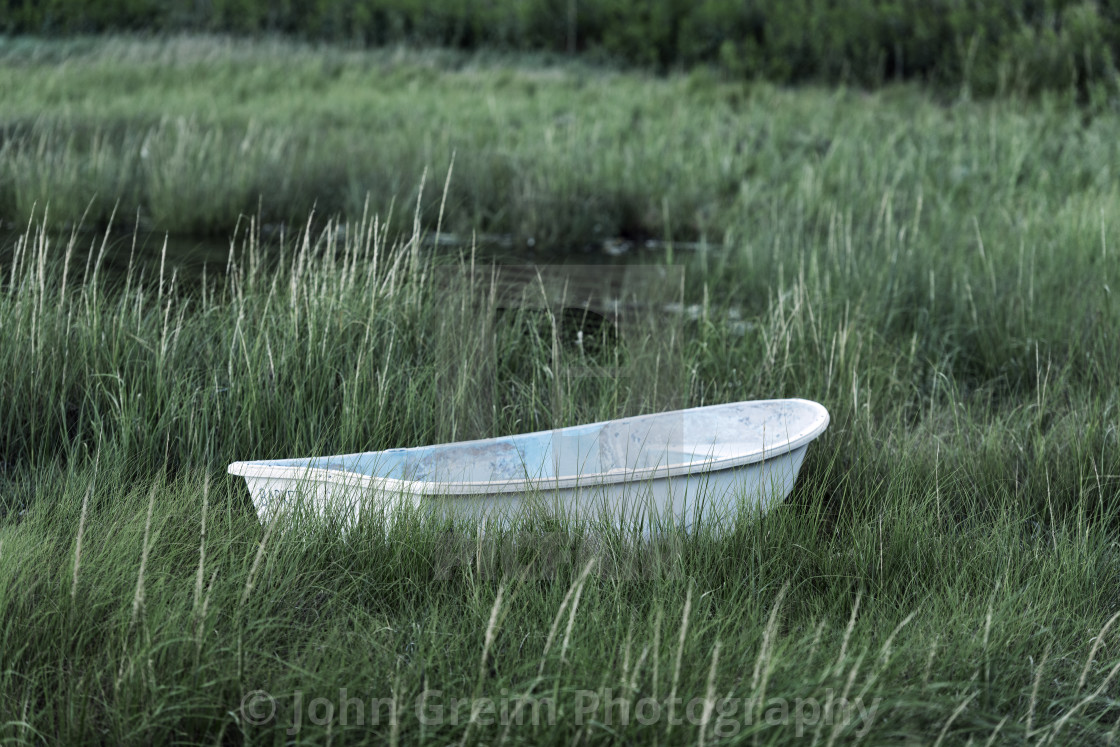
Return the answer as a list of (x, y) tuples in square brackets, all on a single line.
[(264, 470)]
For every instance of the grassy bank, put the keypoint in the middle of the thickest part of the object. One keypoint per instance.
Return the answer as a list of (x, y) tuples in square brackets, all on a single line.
[(188, 134), (940, 277)]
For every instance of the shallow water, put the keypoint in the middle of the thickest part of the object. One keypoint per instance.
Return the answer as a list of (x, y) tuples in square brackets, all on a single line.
[(186, 257), (189, 256)]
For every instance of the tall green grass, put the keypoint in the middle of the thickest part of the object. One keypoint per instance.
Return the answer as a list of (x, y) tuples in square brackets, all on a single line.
[(941, 278), (344, 343)]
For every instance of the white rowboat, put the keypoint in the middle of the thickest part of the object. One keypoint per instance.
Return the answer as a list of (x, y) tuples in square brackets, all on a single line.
[(668, 469)]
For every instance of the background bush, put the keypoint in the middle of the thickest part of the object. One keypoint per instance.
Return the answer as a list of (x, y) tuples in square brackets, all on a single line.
[(1019, 45)]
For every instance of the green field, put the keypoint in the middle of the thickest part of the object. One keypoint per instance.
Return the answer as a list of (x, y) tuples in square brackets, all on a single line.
[(937, 272)]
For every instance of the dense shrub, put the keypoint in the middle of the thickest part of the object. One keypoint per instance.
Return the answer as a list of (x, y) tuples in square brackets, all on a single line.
[(1022, 45)]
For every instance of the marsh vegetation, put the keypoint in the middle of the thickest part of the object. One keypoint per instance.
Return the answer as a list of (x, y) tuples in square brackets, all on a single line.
[(941, 275)]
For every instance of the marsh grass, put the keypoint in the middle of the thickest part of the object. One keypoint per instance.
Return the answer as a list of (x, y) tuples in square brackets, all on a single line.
[(949, 554), (950, 548), (192, 132)]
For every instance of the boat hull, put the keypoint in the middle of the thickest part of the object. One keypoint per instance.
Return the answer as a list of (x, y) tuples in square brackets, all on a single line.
[(685, 501), (643, 474)]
